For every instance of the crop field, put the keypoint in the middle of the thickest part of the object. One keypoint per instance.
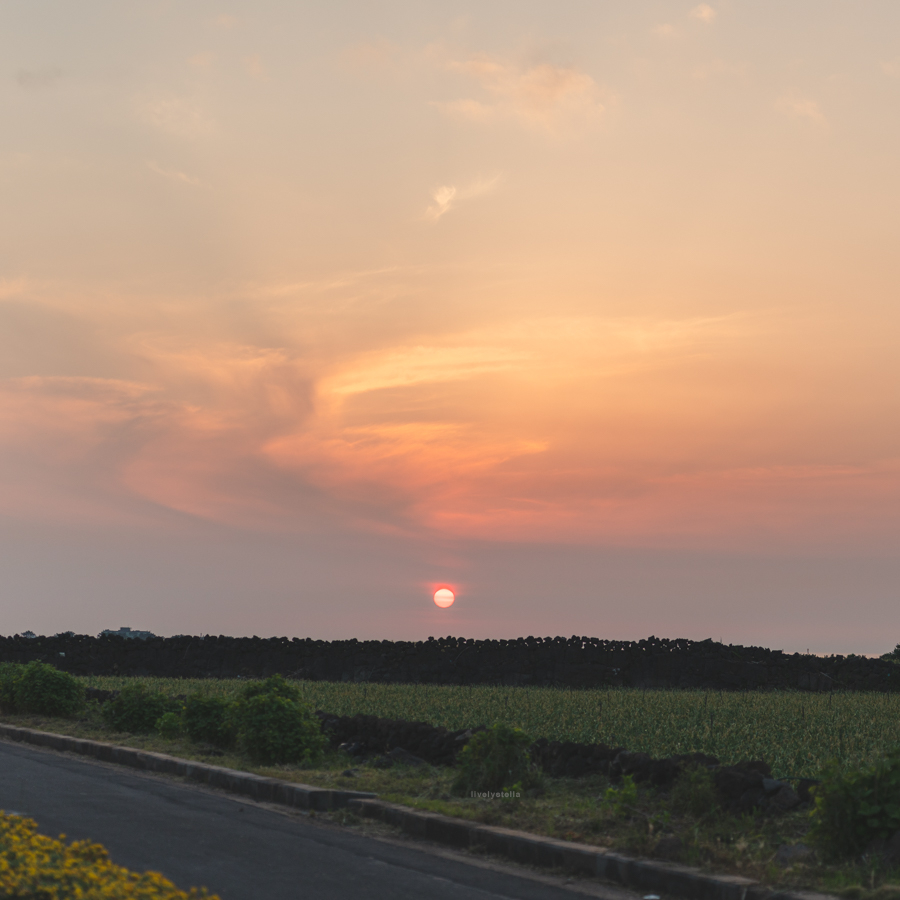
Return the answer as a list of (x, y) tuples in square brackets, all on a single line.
[(795, 732)]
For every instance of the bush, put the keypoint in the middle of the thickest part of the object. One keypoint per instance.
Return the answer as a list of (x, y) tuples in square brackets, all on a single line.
[(495, 759), (274, 684), (169, 725), (621, 800), (276, 729), (39, 688), (38, 866), (209, 720), (853, 808), (137, 709), (10, 673)]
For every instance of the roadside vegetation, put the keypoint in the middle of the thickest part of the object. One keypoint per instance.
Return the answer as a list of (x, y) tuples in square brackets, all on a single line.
[(796, 733), (33, 865), (842, 843)]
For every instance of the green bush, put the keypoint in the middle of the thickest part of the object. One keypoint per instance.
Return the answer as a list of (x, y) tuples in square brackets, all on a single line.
[(39, 688), (495, 759), (621, 800), (274, 684), (273, 728), (137, 709), (851, 808), (209, 720), (10, 673), (169, 725)]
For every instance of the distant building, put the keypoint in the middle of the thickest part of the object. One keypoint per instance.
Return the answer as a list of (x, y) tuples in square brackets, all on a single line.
[(129, 633)]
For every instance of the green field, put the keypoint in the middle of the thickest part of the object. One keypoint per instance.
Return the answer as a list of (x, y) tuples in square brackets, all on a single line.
[(795, 732)]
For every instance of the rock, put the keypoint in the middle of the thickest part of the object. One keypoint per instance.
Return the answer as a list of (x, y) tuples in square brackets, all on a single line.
[(399, 755), (669, 847), (891, 855), (885, 852), (788, 855), (783, 800), (348, 773), (740, 787)]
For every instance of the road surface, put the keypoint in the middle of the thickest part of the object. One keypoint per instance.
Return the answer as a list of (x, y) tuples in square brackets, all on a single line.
[(241, 850)]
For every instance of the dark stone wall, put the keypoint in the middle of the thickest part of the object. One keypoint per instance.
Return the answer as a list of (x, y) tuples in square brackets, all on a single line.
[(565, 662)]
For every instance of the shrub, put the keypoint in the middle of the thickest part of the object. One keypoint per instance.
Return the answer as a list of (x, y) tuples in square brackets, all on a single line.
[(43, 689), (620, 801), (169, 725), (275, 729), (274, 684), (137, 709), (209, 720), (852, 808), (495, 759), (38, 866), (10, 673), (694, 793)]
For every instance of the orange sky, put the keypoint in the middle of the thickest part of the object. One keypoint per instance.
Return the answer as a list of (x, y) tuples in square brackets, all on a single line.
[(599, 302)]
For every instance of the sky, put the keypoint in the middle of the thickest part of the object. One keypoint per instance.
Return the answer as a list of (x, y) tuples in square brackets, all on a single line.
[(586, 310)]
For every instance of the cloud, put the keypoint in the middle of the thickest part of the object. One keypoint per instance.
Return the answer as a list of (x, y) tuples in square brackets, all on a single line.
[(173, 174), (703, 12), (38, 78), (180, 116), (542, 95), (447, 196), (718, 67), (801, 108), (422, 365), (666, 31), (202, 60), (253, 66)]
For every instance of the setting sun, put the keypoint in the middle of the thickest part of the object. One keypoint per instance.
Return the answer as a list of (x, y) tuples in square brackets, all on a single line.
[(444, 597)]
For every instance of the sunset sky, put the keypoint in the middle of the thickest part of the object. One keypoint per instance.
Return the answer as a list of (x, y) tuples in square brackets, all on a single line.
[(588, 310)]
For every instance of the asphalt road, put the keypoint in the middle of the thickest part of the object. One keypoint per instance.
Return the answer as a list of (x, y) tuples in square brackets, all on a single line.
[(241, 850)]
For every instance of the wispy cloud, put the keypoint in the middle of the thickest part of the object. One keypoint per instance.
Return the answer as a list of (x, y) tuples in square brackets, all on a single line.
[(447, 196), (540, 95), (173, 174), (38, 78), (422, 365), (718, 67), (801, 108), (253, 66), (181, 116), (666, 31), (703, 12)]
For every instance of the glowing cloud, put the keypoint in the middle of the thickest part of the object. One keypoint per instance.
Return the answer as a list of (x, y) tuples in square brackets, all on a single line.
[(801, 108), (448, 196), (541, 95), (704, 13)]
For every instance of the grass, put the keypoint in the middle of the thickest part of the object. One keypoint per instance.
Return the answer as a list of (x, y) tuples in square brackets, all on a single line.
[(796, 733)]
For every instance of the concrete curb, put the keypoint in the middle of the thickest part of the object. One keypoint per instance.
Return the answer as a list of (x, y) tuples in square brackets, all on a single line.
[(271, 790), (584, 859)]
